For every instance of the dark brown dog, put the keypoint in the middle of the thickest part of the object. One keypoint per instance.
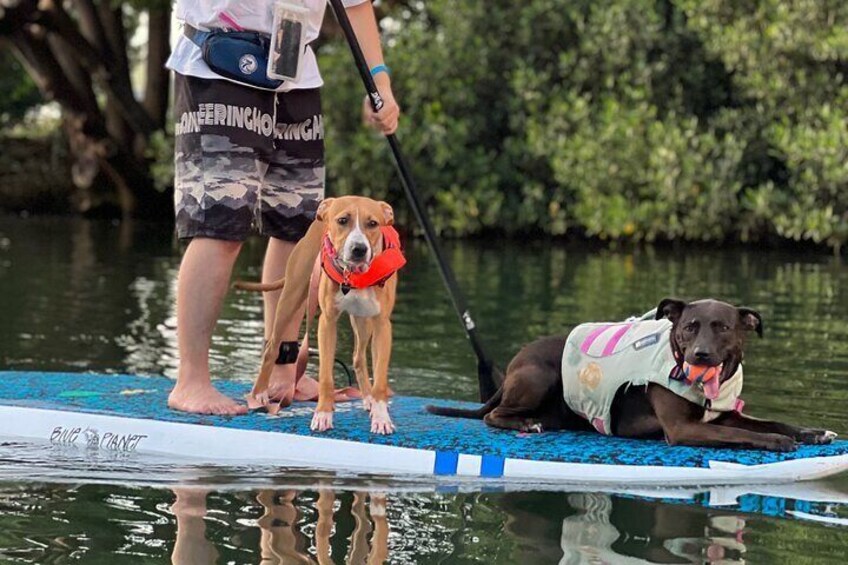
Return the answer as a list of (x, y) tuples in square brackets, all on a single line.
[(703, 333)]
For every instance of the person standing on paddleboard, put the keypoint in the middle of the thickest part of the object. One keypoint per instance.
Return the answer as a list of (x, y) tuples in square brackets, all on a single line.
[(249, 154)]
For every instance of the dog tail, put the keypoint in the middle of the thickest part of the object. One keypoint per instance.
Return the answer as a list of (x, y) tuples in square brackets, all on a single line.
[(476, 414), (260, 287)]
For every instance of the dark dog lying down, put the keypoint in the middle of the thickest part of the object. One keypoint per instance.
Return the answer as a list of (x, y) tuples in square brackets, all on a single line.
[(678, 376)]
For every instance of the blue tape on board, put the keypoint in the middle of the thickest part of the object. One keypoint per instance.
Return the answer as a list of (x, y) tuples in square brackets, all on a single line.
[(446, 462), (492, 466), (803, 506)]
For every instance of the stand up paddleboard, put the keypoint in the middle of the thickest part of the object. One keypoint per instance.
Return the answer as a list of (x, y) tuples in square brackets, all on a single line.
[(128, 414)]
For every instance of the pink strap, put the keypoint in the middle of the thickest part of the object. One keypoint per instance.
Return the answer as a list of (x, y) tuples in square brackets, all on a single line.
[(598, 423), (230, 21)]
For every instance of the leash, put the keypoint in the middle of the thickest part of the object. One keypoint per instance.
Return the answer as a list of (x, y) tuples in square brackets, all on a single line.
[(486, 370)]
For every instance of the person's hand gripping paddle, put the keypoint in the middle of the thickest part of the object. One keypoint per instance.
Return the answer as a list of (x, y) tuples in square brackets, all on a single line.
[(486, 370)]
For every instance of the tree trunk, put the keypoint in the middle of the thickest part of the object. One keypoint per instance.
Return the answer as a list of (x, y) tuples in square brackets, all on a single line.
[(107, 128), (158, 51)]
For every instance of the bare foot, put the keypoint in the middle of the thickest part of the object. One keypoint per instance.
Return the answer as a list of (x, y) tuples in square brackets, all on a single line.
[(367, 401), (203, 399), (281, 386)]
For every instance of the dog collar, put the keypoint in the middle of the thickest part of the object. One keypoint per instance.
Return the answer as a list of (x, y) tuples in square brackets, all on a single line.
[(384, 265)]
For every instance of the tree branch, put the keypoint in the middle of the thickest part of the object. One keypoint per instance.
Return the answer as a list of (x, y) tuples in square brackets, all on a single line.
[(76, 76), (116, 84), (112, 19), (34, 53), (158, 50), (92, 28)]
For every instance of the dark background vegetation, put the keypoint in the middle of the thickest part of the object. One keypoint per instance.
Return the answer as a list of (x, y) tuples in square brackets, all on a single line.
[(702, 120)]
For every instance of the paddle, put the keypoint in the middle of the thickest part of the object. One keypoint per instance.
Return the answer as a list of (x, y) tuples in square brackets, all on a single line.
[(485, 368)]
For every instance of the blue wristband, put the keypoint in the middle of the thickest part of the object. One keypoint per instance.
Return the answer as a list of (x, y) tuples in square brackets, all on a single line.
[(380, 69)]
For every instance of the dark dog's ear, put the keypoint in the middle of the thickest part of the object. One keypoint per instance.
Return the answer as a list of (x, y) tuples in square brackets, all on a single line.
[(751, 320), (670, 308), (323, 208)]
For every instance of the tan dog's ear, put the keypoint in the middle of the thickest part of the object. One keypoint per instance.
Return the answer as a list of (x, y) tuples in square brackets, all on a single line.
[(323, 208), (388, 213)]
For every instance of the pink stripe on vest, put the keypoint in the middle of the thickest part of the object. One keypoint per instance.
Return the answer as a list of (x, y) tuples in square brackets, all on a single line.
[(590, 339), (610, 347)]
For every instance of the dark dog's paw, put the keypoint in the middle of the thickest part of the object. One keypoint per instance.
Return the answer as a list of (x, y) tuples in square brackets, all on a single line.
[(815, 437), (532, 427), (778, 442)]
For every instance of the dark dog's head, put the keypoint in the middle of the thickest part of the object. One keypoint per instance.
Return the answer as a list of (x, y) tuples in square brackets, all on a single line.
[(709, 332)]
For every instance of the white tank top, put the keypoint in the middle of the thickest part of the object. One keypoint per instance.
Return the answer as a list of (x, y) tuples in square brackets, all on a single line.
[(255, 15)]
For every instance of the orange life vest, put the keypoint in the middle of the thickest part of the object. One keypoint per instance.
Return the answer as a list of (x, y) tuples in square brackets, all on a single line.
[(384, 265)]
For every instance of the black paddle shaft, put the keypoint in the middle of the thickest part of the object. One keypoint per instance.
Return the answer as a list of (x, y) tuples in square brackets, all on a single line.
[(485, 377)]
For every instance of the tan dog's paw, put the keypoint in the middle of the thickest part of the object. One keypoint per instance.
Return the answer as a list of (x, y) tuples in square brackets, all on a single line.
[(321, 421), (381, 423), (367, 402)]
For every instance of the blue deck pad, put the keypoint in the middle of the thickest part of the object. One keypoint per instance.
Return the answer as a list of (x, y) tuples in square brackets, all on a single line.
[(145, 397)]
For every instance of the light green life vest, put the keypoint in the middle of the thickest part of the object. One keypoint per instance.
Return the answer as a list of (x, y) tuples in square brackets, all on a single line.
[(600, 358)]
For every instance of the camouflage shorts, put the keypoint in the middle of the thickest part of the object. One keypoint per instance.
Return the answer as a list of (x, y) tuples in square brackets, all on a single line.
[(246, 159)]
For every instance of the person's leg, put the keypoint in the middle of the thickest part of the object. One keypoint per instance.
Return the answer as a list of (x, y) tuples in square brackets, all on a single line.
[(202, 284), (273, 268), (216, 185), (293, 186)]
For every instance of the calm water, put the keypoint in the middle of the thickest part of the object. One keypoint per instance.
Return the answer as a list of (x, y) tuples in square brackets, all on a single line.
[(94, 296)]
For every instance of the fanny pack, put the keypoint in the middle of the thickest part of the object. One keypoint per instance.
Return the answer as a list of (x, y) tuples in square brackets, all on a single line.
[(241, 56)]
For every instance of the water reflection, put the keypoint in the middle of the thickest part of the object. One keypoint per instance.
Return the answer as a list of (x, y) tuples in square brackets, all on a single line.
[(191, 545), (284, 535), (654, 533), (282, 541), (326, 524), (149, 508)]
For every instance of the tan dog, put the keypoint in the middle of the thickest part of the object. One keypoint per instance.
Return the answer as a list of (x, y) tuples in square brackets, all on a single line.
[(355, 231), (352, 229)]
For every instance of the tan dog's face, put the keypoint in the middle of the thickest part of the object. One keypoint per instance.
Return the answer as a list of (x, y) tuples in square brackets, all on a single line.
[(353, 223)]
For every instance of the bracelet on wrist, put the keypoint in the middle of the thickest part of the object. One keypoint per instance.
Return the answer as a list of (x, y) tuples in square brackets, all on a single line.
[(380, 69)]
